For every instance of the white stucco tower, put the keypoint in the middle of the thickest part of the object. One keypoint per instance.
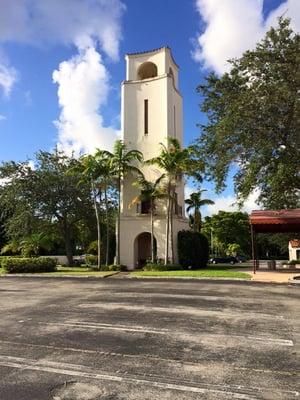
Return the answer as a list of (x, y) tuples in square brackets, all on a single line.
[(151, 111)]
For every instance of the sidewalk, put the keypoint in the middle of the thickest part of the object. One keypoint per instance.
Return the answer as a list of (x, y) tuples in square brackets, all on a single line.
[(265, 275)]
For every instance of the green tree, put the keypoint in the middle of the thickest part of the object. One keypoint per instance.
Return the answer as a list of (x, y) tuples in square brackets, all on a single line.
[(150, 192), (90, 170), (106, 183), (253, 123), (233, 249), (45, 198), (194, 203), (226, 228), (121, 162), (96, 170), (3, 236), (175, 162), (33, 244)]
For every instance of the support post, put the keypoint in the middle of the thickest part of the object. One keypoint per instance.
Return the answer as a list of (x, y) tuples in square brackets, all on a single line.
[(253, 249)]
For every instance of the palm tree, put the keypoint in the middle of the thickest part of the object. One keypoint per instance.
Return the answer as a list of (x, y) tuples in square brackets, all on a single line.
[(90, 170), (195, 202), (32, 244), (150, 191), (105, 182), (175, 161), (121, 164)]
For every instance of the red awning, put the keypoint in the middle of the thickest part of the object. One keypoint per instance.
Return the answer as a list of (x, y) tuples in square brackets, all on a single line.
[(275, 221)]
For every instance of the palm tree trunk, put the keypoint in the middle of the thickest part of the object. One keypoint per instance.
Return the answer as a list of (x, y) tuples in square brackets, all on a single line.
[(171, 228), (168, 224), (200, 221), (118, 223), (107, 227), (152, 232), (68, 242), (194, 224), (98, 227)]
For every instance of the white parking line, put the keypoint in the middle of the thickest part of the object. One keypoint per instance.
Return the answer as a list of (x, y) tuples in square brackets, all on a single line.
[(198, 337), (235, 392), (279, 342), (223, 313), (92, 325), (148, 357)]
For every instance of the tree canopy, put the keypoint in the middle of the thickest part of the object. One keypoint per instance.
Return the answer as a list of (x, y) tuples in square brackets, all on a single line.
[(253, 120), (46, 198), (228, 228)]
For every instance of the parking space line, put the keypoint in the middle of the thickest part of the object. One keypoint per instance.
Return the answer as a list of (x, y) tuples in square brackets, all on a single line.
[(92, 325), (223, 313), (147, 357), (238, 392)]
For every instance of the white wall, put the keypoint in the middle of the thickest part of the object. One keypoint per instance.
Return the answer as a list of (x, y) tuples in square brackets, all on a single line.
[(162, 95)]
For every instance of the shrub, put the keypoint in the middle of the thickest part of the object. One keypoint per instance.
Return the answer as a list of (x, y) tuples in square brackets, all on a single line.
[(161, 267), (113, 267), (117, 267), (90, 259), (13, 265), (193, 249), (294, 262), (2, 260)]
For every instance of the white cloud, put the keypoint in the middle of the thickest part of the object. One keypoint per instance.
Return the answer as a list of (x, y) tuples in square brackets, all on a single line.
[(228, 203), (2, 117), (83, 88), (8, 77), (91, 26), (62, 21), (233, 26)]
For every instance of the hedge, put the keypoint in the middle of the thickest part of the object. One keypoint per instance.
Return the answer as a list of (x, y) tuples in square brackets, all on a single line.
[(193, 249), (14, 265), (162, 267)]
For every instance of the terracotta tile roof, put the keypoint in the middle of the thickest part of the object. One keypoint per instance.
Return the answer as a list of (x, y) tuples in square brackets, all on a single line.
[(276, 220), (148, 51), (294, 213), (154, 51), (295, 243)]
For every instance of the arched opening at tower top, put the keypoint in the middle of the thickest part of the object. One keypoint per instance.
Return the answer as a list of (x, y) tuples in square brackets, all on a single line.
[(147, 70)]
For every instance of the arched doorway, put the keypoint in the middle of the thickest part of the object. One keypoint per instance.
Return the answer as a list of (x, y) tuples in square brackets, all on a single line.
[(142, 249)]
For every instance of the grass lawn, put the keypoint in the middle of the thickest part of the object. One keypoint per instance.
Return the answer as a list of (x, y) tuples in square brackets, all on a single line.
[(79, 271), (229, 266), (200, 273)]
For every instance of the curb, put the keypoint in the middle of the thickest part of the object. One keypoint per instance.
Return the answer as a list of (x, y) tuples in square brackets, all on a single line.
[(57, 276)]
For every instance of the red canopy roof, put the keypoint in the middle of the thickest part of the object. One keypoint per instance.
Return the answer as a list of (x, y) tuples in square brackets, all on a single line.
[(276, 220)]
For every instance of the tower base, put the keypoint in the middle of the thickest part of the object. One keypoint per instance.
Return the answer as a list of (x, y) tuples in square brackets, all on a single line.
[(135, 240)]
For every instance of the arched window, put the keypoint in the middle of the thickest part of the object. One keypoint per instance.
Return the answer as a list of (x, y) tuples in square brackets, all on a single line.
[(147, 70)]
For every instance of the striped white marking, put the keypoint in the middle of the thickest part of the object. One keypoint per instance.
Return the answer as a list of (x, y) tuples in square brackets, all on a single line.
[(81, 371), (141, 329), (148, 357), (196, 311), (173, 296), (93, 325), (279, 342)]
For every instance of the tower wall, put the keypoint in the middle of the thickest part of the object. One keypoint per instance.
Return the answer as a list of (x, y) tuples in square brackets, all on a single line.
[(164, 119)]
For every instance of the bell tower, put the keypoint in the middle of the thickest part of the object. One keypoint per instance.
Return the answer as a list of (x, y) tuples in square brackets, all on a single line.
[(151, 111)]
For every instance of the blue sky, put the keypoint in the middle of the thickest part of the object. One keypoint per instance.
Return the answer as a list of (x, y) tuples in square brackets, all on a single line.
[(85, 41)]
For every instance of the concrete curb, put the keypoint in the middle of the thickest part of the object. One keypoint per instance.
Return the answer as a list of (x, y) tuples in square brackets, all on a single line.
[(58, 276)]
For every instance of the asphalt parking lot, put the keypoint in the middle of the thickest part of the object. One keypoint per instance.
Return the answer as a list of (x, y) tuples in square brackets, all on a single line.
[(106, 339)]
